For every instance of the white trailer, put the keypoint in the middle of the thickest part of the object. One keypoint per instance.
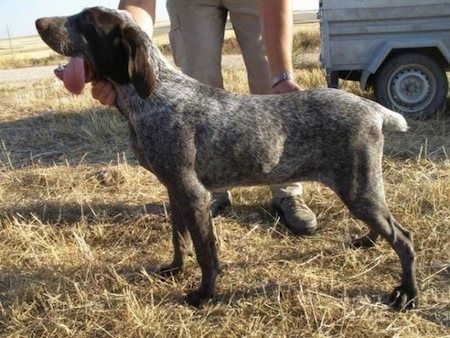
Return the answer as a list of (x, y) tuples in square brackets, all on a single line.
[(400, 48)]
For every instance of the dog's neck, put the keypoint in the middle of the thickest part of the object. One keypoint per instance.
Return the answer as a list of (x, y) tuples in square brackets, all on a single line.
[(170, 84), (172, 87)]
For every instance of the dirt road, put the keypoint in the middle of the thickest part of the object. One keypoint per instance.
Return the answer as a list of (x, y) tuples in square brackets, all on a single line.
[(31, 74), (34, 74)]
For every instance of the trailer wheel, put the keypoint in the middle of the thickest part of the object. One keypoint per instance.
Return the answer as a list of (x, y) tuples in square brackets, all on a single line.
[(413, 84)]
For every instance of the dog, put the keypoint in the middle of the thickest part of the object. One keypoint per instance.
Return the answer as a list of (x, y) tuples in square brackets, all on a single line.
[(197, 139)]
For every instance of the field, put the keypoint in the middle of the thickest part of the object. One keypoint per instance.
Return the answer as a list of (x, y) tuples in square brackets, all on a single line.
[(32, 51), (83, 229)]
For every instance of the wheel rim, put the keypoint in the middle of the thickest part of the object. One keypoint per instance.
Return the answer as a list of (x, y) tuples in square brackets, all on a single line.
[(412, 88)]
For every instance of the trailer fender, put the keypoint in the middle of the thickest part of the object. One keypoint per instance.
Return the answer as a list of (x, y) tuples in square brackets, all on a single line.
[(386, 47)]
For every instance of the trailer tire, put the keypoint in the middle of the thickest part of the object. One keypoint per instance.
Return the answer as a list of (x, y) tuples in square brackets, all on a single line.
[(413, 84)]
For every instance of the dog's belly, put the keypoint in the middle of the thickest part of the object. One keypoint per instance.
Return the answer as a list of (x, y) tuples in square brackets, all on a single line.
[(246, 167), (262, 162)]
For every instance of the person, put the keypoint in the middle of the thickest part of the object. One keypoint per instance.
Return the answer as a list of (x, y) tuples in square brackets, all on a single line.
[(263, 29)]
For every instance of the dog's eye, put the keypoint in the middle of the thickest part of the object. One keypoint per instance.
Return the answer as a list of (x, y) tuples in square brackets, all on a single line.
[(116, 41), (87, 19)]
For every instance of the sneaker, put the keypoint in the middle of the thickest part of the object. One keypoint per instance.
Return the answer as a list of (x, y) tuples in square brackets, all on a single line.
[(297, 217), (220, 201)]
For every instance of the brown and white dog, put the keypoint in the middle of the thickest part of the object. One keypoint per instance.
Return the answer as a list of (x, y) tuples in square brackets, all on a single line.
[(197, 138)]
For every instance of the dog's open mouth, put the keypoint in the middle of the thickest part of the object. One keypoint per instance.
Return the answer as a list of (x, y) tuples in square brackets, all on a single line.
[(75, 74)]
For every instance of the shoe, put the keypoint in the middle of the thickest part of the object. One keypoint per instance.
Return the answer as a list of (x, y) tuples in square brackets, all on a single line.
[(296, 215), (220, 201)]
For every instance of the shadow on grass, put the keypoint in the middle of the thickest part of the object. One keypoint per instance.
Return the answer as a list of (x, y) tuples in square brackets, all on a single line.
[(64, 214), (62, 138)]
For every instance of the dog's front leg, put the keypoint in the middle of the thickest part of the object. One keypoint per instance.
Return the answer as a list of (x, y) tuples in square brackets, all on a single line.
[(193, 204), (181, 239)]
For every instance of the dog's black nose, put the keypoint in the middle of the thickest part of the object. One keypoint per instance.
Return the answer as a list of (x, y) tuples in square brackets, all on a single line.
[(41, 24)]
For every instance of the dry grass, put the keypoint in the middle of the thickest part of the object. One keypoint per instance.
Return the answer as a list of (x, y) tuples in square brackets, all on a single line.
[(26, 52), (78, 251)]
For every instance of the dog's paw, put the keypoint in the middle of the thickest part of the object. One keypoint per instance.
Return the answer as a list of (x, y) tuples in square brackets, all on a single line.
[(403, 298), (363, 242), (199, 299)]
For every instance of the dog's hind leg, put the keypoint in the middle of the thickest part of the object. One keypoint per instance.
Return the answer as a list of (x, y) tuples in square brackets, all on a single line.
[(406, 295), (193, 201), (361, 189), (382, 222)]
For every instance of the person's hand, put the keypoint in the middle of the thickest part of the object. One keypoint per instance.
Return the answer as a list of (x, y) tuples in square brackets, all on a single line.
[(286, 86), (104, 92)]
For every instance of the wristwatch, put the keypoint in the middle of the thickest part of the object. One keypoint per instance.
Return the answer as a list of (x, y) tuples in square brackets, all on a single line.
[(281, 77)]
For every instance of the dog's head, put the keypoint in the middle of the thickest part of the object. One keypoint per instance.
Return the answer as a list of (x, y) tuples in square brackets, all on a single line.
[(110, 43)]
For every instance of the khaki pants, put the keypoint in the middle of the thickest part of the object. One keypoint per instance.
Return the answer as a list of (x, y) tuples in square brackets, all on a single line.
[(196, 38)]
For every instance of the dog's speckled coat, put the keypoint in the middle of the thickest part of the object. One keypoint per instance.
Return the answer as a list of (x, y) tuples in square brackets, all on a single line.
[(197, 138)]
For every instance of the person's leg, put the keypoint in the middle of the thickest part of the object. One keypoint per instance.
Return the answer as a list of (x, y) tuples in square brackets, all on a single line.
[(247, 26), (196, 38), (245, 19)]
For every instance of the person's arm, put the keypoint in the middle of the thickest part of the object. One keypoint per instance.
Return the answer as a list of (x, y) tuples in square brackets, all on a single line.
[(277, 32), (143, 12)]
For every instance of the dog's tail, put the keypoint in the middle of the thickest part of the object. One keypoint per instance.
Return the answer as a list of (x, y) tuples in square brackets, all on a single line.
[(391, 119)]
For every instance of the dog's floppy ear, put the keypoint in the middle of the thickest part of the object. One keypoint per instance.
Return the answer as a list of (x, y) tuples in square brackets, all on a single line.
[(139, 69)]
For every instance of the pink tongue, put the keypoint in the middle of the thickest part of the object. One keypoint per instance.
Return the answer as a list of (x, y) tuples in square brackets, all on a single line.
[(74, 75)]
